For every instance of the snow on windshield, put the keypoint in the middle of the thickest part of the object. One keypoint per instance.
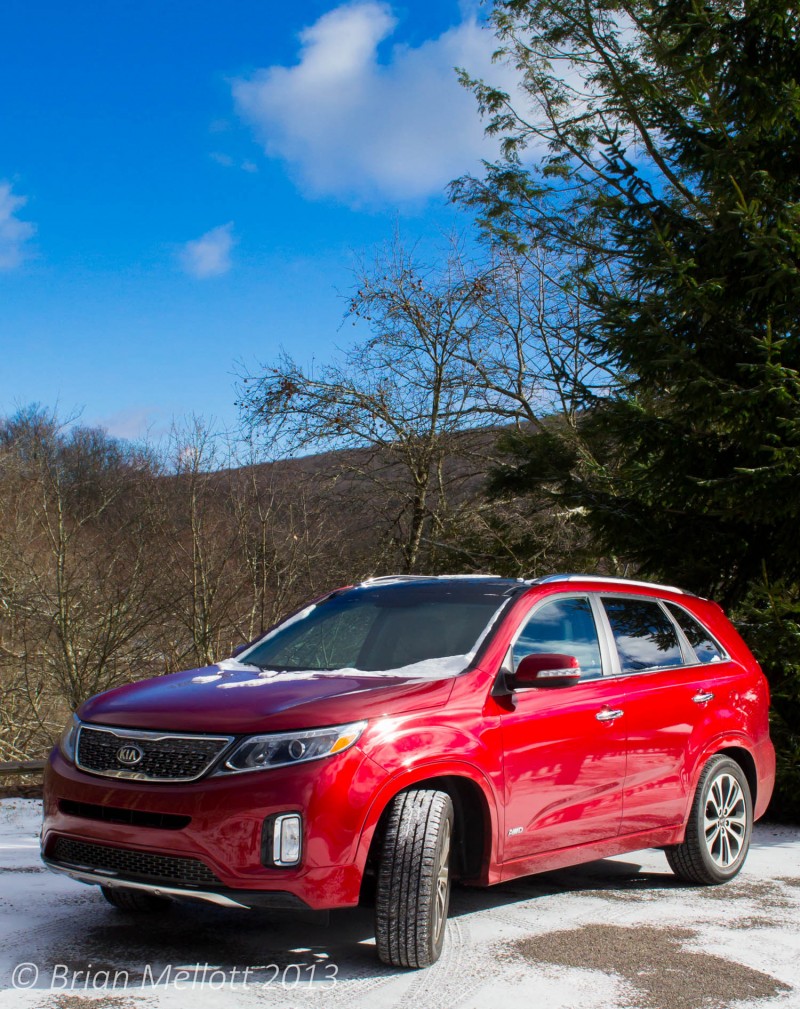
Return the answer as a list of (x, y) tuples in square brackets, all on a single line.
[(428, 669), (388, 629)]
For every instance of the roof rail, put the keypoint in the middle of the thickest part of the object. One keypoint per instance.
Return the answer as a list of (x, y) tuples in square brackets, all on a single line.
[(378, 579), (387, 579), (606, 578)]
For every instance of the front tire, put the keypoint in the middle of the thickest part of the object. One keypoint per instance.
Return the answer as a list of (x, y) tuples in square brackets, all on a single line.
[(719, 828), (413, 889), (135, 900)]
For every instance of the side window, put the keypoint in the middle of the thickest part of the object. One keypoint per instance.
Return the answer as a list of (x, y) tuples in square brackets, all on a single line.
[(645, 636), (565, 626), (705, 647)]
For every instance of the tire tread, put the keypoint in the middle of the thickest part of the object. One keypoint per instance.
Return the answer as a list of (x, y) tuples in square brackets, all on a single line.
[(405, 873), (687, 859)]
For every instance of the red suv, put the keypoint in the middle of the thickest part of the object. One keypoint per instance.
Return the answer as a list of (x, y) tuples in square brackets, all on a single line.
[(401, 733)]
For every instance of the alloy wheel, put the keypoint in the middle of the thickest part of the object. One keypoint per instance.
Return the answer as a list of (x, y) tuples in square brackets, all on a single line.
[(725, 820)]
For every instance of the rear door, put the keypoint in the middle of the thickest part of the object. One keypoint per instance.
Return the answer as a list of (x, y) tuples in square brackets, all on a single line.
[(564, 747), (670, 693)]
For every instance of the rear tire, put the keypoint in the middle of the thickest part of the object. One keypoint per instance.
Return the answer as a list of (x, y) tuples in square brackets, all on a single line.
[(135, 900), (413, 888), (719, 827)]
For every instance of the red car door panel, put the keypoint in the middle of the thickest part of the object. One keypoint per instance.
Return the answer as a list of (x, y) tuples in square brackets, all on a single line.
[(564, 767), (670, 718), (674, 678), (564, 747)]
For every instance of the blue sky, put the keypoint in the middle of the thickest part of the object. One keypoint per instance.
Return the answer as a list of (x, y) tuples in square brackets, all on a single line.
[(183, 186)]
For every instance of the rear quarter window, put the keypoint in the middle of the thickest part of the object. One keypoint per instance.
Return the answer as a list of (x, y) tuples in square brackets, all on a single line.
[(705, 647)]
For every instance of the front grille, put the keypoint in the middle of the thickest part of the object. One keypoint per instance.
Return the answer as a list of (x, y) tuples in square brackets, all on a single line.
[(126, 863), (164, 757), (133, 817)]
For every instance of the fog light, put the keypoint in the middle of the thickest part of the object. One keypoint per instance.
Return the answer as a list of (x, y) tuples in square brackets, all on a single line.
[(287, 839)]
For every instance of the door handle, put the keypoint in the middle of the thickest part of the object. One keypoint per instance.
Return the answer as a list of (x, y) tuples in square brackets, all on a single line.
[(703, 696), (609, 714)]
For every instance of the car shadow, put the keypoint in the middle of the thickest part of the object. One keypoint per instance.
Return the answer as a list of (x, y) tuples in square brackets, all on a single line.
[(612, 880), (302, 946)]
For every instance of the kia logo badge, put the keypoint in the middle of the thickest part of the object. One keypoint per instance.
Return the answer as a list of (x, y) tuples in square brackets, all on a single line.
[(129, 754)]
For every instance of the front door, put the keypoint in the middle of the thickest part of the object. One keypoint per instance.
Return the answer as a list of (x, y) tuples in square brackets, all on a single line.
[(564, 747)]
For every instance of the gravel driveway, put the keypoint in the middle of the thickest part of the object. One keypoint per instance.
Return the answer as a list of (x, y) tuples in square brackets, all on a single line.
[(621, 932)]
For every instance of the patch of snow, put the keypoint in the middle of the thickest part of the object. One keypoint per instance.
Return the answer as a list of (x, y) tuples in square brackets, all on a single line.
[(226, 666), (49, 920), (236, 666), (427, 669), (20, 823), (268, 676)]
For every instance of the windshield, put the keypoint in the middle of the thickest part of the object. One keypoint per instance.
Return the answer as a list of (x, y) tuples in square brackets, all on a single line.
[(384, 628)]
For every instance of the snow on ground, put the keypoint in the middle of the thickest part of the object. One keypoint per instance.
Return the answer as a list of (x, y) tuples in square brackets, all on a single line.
[(621, 933)]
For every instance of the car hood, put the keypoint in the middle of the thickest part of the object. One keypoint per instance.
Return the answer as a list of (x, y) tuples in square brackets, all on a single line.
[(232, 698)]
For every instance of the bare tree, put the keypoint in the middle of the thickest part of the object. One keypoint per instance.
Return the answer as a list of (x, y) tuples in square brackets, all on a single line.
[(27, 719), (401, 395), (115, 564), (283, 544), (200, 584), (238, 545), (76, 561), (531, 354)]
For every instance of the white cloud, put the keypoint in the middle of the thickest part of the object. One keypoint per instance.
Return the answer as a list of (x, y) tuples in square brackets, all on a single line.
[(13, 232), (360, 129), (135, 423), (210, 254), (228, 162), (222, 159)]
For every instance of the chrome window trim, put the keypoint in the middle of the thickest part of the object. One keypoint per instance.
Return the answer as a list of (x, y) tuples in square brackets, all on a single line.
[(612, 670), (724, 656), (619, 673), (507, 664), (608, 646), (683, 642), (153, 735)]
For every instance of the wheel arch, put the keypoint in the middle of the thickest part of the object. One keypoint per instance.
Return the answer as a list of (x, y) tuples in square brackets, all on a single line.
[(738, 750), (746, 761), (475, 819)]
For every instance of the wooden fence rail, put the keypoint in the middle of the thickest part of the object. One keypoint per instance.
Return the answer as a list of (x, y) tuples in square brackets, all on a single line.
[(23, 767)]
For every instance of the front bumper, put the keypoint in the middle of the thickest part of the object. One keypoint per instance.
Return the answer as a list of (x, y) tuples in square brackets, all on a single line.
[(244, 899), (224, 820)]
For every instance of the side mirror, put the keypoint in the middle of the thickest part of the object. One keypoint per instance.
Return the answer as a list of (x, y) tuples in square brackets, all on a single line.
[(238, 650), (546, 669)]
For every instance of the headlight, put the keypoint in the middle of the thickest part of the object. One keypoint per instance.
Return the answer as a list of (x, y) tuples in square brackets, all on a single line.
[(67, 742), (280, 749)]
